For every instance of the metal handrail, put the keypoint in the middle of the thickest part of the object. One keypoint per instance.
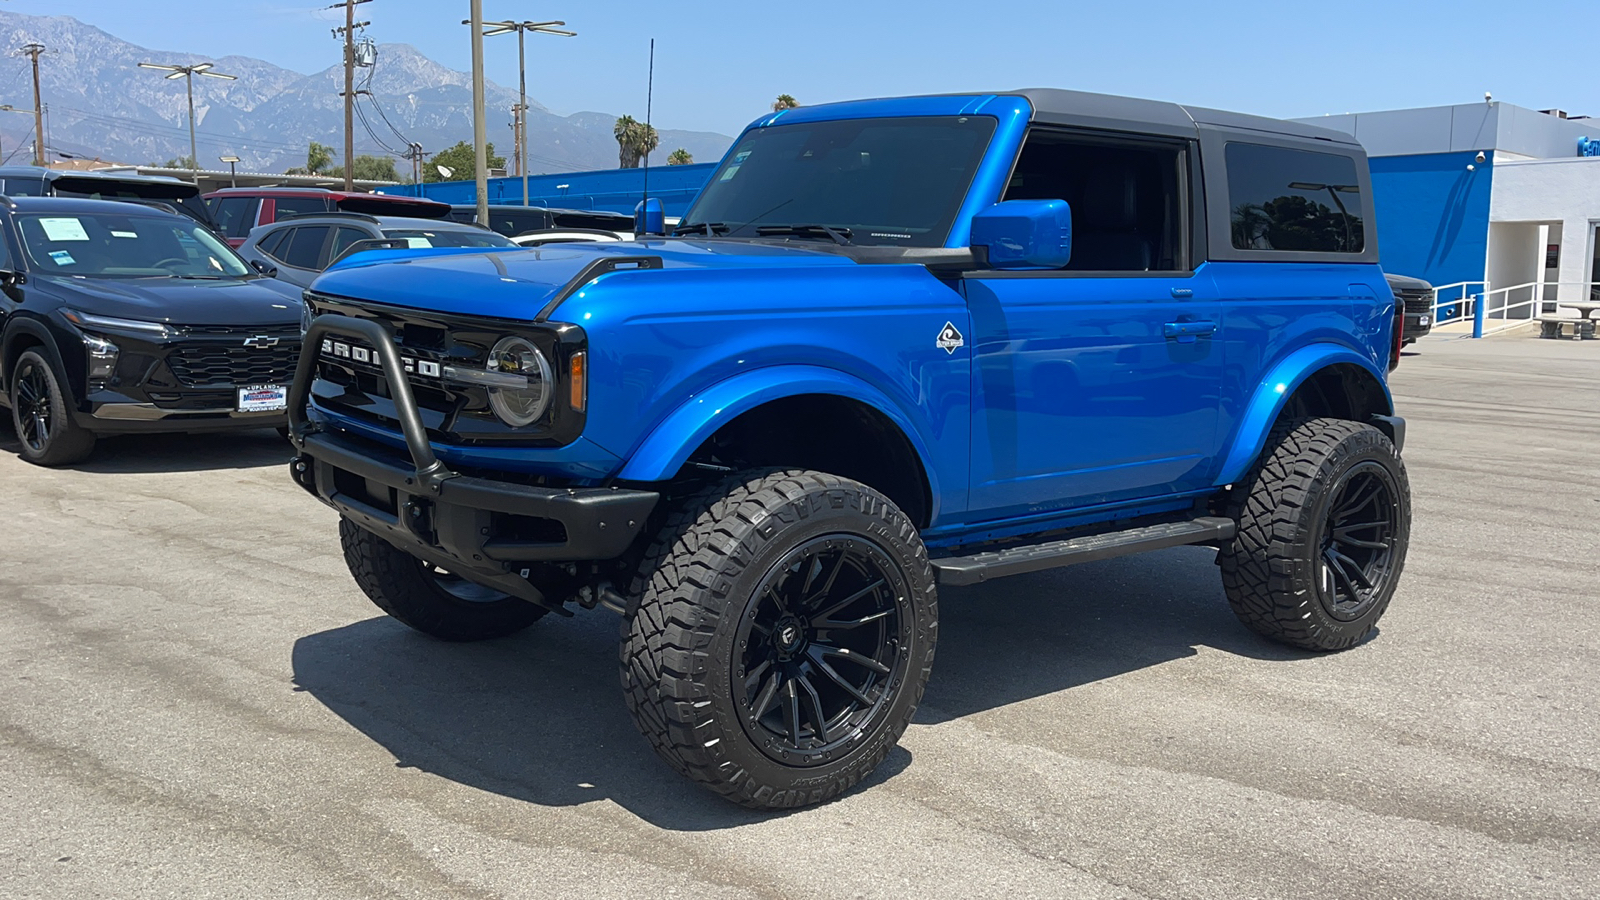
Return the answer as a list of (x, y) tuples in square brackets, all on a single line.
[(1483, 309)]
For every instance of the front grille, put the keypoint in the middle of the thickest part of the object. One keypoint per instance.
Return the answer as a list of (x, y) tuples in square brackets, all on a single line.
[(214, 364), (1417, 301), (291, 329)]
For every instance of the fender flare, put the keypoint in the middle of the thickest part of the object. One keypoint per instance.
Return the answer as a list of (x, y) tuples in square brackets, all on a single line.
[(668, 445), (1274, 392), (35, 329)]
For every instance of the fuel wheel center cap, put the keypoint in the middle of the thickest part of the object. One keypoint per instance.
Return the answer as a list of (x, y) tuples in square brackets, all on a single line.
[(788, 636)]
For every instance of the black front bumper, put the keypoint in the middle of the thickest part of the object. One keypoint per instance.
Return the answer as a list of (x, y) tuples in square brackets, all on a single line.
[(486, 530)]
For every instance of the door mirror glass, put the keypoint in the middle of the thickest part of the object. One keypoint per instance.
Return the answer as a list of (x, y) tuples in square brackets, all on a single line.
[(1025, 234)]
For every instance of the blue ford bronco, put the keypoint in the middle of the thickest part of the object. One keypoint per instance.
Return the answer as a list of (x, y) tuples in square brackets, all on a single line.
[(894, 345)]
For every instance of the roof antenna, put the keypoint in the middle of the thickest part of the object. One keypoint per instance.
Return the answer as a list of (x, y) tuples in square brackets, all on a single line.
[(649, 95)]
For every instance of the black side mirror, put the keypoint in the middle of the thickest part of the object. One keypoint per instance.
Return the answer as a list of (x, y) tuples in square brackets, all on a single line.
[(263, 268)]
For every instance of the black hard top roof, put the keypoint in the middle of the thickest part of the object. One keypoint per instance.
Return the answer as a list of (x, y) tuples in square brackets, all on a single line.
[(1109, 111)]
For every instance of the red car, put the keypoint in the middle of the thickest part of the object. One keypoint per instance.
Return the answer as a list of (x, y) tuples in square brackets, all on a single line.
[(237, 210)]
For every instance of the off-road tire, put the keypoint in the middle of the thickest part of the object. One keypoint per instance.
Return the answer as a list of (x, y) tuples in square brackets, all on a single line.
[(62, 441), (694, 591), (1274, 570), (413, 592)]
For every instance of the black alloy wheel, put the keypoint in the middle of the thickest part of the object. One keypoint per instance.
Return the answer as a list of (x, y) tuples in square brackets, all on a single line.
[(779, 635), (1324, 522), (41, 414), (820, 643), (32, 402), (1358, 542)]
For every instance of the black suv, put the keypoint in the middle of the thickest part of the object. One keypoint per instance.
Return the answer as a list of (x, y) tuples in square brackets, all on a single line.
[(120, 318), (1415, 299), (512, 221), (170, 193)]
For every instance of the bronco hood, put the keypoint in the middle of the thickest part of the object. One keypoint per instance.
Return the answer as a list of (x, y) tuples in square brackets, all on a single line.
[(517, 284)]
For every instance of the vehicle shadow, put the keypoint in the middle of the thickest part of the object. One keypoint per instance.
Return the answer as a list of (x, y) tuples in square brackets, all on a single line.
[(538, 717), (154, 453)]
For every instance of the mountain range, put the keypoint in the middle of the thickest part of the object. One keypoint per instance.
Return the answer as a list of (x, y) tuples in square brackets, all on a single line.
[(100, 104)]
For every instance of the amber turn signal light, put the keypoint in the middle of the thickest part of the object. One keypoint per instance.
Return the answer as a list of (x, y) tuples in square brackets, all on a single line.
[(578, 378)]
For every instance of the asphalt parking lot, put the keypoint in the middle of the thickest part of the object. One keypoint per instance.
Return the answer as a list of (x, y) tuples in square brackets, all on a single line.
[(197, 702)]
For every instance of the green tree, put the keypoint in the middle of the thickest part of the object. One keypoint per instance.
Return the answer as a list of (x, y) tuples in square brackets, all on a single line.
[(369, 168), (635, 140), (784, 102), (318, 156), (182, 162), (460, 160), (680, 157)]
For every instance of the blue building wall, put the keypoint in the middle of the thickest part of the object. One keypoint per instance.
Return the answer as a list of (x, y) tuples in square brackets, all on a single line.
[(613, 190), (1433, 215)]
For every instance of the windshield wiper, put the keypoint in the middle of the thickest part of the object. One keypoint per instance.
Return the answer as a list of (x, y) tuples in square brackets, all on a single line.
[(709, 229), (839, 234), (203, 277)]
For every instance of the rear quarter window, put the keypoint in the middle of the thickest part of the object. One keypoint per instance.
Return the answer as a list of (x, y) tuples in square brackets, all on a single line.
[(1284, 199)]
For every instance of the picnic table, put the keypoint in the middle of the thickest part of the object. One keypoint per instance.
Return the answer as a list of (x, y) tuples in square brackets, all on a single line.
[(1582, 328)]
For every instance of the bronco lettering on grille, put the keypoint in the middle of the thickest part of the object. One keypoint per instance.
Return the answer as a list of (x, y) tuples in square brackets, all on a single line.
[(340, 350)]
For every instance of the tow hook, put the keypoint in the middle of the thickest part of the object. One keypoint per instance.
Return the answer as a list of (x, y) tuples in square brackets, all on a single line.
[(602, 594), (416, 515), (300, 471)]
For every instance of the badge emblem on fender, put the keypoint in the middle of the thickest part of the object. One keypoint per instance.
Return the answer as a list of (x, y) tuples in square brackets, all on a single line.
[(949, 338)]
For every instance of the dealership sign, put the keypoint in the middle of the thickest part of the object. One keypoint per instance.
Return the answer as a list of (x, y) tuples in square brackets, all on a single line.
[(1588, 146)]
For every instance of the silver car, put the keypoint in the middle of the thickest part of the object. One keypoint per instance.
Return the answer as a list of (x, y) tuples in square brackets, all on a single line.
[(296, 250)]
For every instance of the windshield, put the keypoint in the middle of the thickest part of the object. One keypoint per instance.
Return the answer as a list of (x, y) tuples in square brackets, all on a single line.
[(897, 181), (418, 238), (110, 245)]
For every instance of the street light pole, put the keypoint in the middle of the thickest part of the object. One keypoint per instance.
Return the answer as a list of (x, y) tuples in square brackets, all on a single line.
[(233, 180), (479, 126), (187, 73), (522, 28)]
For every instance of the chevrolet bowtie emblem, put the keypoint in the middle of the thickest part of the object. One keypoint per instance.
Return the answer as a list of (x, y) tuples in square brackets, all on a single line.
[(261, 341)]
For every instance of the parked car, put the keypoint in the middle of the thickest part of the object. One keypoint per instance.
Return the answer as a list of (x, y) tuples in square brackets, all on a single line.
[(1415, 299), (564, 236), (297, 250), (118, 318), (768, 443), (161, 190), (512, 221), (238, 210)]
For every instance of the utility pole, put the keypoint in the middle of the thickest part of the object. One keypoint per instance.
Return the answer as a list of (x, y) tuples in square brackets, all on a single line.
[(516, 137), (522, 29), (33, 50), (349, 32)]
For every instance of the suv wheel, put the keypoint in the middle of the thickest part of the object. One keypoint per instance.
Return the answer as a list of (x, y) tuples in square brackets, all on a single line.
[(784, 631), (41, 416), (1324, 521), (428, 598)]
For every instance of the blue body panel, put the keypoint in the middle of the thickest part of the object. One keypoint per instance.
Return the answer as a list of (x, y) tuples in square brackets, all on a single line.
[(1068, 398)]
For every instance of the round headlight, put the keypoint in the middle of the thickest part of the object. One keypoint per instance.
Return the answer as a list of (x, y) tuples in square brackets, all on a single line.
[(518, 407)]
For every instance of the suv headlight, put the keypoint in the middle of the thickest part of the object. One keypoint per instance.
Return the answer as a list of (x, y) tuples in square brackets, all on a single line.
[(522, 406), (102, 357), (518, 378)]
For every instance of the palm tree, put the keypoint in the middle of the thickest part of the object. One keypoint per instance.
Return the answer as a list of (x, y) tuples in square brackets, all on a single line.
[(784, 102), (623, 132), (634, 140), (680, 157)]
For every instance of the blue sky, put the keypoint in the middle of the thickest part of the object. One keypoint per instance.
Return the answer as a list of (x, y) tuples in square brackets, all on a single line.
[(719, 64)]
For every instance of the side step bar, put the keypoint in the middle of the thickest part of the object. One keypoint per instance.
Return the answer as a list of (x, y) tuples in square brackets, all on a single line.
[(981, 567)]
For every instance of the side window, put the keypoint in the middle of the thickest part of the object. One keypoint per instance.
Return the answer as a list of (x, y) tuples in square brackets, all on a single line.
[(298, 206), (343, 237), (1127, 197), (1294, 200), (236, 215), (272, 244), (303, 249)]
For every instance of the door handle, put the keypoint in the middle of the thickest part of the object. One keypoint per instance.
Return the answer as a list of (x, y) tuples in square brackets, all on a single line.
[(1187, 332)]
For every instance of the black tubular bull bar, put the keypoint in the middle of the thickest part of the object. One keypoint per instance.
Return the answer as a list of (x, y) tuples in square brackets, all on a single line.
[(464, 524)]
